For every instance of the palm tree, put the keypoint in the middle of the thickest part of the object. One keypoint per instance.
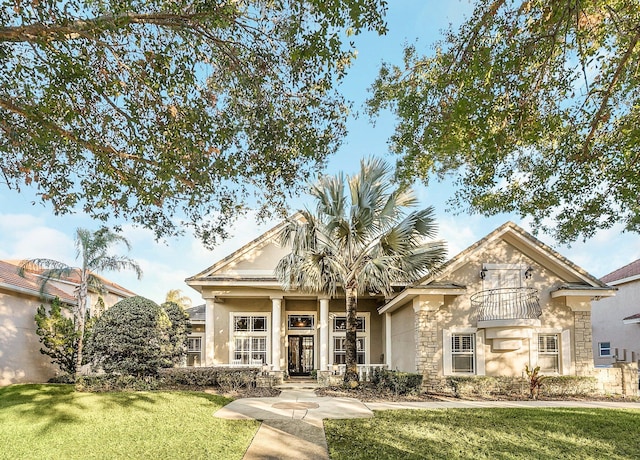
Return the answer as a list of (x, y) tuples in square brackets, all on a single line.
[(176, 296), (92, 253), (359, 240)]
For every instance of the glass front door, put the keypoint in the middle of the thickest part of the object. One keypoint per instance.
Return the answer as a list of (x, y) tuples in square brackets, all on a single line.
[(300, 354)]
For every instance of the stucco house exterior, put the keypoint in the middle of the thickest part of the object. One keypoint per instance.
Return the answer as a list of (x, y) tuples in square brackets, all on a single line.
[(20, 297), (505, 302), (616, 320)]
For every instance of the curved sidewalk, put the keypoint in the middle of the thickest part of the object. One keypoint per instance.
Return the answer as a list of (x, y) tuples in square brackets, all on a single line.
[(292, 425)]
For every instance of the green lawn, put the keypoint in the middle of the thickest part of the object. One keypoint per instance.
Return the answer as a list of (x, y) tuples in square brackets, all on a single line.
[(56, 422), (488, 433)]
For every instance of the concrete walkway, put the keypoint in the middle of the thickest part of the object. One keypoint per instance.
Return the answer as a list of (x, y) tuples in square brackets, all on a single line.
[(292, 425)]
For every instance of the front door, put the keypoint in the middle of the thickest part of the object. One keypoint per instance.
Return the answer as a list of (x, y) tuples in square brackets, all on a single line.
[(300, 354)]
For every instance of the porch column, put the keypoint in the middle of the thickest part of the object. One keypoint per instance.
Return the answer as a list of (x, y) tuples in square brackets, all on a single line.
[(324, 334), (276, 320), (209, 331), (387, 340)]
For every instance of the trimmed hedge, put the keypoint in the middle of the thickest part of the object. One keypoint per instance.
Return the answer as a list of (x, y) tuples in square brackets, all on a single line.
[(484, 387), (227, 379), (401, 383)]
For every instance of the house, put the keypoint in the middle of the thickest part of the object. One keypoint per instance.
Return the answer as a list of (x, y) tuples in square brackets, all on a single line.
[(20, 297), (616, 320), (505, 302)]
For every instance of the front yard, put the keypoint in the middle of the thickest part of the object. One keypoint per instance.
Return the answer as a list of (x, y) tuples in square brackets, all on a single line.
[(487, 433), (56, 422)]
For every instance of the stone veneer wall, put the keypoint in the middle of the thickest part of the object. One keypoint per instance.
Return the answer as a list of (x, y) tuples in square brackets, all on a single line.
[(582, 345), (427, 346)]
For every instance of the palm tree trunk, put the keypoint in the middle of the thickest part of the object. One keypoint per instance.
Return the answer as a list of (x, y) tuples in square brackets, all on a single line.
[(80, 321), (351, 374)]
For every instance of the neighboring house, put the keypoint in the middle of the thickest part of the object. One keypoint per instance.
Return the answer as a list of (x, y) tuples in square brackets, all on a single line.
[(505, 302), (616, 320), (20, 357)]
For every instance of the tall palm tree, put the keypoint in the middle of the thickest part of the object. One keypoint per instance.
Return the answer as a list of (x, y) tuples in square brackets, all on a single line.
[(176, 296), (92, 251), (360, 239)]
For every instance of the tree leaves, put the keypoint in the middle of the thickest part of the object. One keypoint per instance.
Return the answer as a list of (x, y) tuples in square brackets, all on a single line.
[(534, 105), (173, 113)]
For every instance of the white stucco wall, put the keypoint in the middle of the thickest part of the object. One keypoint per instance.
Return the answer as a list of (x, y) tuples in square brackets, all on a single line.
[(607, 315)]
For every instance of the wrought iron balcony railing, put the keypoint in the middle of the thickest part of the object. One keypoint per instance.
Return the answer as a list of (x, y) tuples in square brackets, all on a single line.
[(506, 303)]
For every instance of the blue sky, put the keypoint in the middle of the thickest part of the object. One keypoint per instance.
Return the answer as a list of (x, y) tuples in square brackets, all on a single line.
[(28, 229)]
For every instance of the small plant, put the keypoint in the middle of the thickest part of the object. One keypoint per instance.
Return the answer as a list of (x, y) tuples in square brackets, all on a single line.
[(535, 381), (58, 336)]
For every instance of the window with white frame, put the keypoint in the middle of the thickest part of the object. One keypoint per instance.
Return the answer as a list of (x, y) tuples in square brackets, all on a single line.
[(605, 349), (548, 352), (194, 351), (463, 356), (250, 336), (338, 340)]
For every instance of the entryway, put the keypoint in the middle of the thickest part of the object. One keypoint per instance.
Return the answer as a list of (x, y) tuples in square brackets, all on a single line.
[(300, 357)]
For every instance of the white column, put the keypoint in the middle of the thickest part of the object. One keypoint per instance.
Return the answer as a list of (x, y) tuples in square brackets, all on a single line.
[(209, 331), (324, 334), (276, 325), (387, 339)]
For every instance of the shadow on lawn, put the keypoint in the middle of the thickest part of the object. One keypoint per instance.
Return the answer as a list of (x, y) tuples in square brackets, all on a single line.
[(50, 405), (497, 433)]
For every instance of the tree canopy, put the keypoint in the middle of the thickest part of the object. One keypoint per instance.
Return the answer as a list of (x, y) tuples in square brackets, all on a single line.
[(173, 113), (535, 105)]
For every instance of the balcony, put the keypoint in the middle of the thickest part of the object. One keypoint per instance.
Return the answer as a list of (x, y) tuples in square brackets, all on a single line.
[(508, 315), (507, 304)]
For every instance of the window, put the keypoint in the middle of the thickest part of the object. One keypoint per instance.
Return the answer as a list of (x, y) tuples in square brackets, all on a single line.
[(338, 338), (249, 339), (340, 324), (463, 353), (548, 353), (250, 323), (340, 351), (605, 349), (194, 351), (194, 344), (300, 322), (250, 350)]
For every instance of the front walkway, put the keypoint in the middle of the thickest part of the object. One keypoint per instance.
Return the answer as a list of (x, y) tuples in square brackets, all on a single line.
[(292, 425)]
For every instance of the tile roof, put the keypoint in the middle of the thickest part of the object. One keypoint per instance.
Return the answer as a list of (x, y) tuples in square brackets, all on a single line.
[(196, 313), (74, 278), (629, 270), (10, 279)]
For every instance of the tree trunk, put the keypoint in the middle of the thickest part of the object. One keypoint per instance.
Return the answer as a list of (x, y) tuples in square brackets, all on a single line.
[(80, 321), (351, 375)]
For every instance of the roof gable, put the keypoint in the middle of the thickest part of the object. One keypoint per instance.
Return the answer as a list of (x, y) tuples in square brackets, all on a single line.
[(254, 260), (528, 245)]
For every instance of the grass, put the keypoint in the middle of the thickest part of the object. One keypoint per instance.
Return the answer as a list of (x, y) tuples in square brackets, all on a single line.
[(487, 433), (56, 422)]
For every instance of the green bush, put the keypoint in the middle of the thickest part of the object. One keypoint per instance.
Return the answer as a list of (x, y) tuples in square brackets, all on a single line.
[(191, 376), (230, 379), (400, 383), (116, 382), (180, 328), (58, 336), (485, 387), (132, 338)]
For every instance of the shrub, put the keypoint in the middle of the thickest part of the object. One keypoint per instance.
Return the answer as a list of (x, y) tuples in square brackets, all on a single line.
[(400, 383), (180, 328), (116, 382), (192, 376), (132, 337), (58, 336), (230, 380)]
